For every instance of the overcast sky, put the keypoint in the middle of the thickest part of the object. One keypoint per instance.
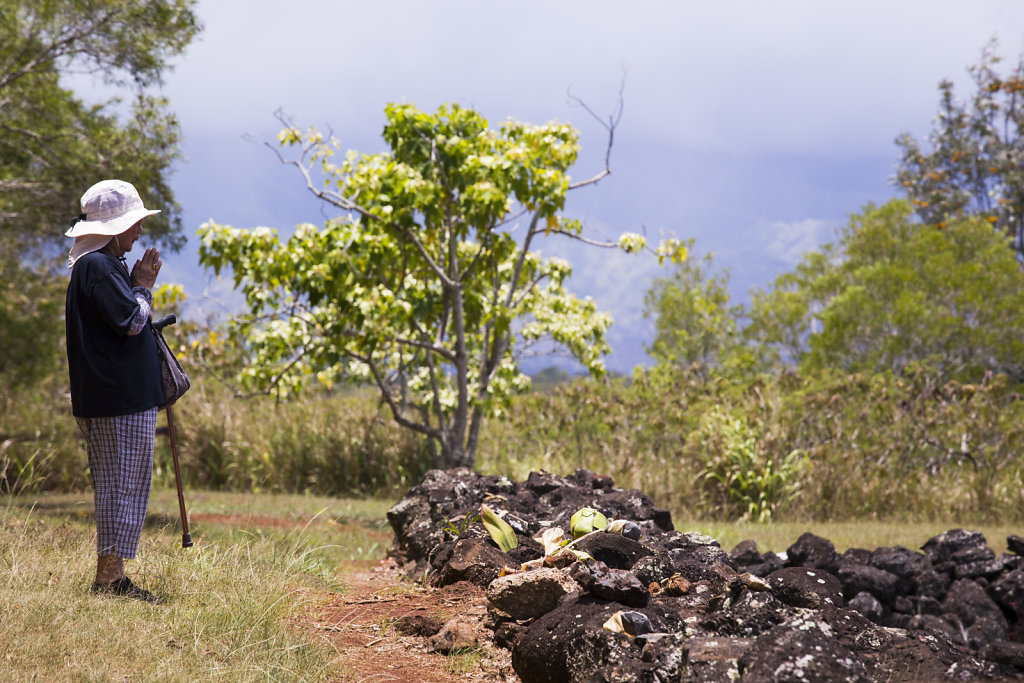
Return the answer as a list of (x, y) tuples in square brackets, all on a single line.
[(755, 127)]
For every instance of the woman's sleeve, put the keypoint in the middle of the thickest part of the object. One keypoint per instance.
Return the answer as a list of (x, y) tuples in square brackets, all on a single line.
[(126, 309), (145, 299)]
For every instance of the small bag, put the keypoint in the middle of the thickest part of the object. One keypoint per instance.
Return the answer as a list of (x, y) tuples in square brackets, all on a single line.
[(172, 376)]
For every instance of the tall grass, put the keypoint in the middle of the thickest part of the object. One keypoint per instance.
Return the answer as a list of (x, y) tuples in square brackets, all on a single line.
[(324, 444), (828, 447), (39, 440), (786, 448)]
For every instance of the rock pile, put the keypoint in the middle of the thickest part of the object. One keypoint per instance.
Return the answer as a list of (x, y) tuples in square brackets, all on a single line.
[(674, 606)]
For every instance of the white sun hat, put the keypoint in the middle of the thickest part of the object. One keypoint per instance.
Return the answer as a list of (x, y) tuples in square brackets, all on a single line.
[(109, 208)]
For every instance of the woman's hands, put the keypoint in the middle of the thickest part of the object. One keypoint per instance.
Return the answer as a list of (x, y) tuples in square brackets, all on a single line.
[(145, 270)]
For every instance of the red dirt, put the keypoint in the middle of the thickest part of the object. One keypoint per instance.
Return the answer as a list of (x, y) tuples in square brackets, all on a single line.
[(359, 625)]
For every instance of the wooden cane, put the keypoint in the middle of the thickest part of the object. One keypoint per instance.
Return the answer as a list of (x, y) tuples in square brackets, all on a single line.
[(186, 537)]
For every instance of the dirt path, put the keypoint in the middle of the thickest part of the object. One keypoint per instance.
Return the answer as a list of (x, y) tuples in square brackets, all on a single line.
[(361, 626), (360, 623)]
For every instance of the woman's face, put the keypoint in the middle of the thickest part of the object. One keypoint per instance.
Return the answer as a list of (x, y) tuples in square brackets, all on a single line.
[(126, 240)]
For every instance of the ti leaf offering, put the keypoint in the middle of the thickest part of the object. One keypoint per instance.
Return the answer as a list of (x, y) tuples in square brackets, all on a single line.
[(498, 529)]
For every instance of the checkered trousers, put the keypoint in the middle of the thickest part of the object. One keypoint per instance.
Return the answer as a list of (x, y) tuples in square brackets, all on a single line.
[(121, 461)]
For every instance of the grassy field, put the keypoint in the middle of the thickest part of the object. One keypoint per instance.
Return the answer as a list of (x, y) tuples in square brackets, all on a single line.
[(260, 562), (230, 599), (778, 536)]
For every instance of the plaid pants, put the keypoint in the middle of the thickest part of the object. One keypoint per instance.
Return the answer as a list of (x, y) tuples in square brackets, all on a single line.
[(121, 461)]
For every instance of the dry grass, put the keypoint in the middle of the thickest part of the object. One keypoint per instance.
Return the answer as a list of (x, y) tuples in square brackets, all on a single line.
[(778, 536), (229, 599)]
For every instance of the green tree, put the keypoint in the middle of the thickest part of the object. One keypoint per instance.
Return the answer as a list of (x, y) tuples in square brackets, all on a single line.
[(892, 291), (694, 321), (31, 305), (429, 279), (976, 162), (52, 144)]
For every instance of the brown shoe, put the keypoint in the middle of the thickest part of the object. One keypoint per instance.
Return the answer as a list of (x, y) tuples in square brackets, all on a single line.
[(124, 588)]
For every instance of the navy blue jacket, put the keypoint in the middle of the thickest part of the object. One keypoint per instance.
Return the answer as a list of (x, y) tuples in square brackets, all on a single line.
[(112, 373)]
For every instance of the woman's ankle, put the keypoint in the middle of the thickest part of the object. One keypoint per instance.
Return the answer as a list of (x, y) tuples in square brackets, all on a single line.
[(109, 568)]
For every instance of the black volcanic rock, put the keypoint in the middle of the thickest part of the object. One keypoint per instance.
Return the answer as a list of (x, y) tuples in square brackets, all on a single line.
[(806, 587), (954, 611), (814, 552)]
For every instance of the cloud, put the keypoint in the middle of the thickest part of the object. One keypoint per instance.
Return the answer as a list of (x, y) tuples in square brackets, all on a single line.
[(788, 242), (618, 283), (741, 119)]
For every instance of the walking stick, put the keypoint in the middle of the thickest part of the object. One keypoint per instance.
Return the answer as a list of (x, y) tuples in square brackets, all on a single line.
[(181, 384), (186, 537)]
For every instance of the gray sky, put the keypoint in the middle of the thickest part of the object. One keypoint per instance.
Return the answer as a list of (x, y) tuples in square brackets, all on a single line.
[(754, 127)]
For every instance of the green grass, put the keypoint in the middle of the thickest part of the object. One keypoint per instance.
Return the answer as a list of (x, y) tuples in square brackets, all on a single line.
[(778, 536), (230, 599)]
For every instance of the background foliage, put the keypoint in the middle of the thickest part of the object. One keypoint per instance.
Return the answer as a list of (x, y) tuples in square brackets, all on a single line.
[(793, 447), (881, 378), (53, 145), (430, 281), (891, 292), (975, 164)]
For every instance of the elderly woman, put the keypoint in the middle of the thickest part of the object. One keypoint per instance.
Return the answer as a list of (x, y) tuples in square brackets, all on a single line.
[(115, 371)]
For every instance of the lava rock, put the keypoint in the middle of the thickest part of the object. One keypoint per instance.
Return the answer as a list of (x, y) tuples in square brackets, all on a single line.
[(526, 595), (814, 552), (458, 633), (699, 547), (976, 612), (745, 554), (714, 660), (868, 605), (507, 634), (771, 562), (542, 483), (614, 550), (902, 562), (858, 578), (1005, 652), (473, 560), (802, 650), (569, 644), (931, 583), (616, 585), (1008, 593), (803, 587), (931, 613), (653, 568), (917, 604), (539, 656), (941, 549)]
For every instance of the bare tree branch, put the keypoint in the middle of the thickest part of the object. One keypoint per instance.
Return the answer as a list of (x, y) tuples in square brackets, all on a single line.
[(610, 125), (396, 412)]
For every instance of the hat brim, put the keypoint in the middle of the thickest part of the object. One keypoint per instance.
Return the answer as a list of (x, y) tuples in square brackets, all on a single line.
[(112, 226)]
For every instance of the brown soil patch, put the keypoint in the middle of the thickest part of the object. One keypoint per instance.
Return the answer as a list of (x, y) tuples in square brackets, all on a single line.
[(359, 624)]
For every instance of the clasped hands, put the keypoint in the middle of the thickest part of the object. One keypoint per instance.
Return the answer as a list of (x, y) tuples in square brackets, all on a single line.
[(145, 270)]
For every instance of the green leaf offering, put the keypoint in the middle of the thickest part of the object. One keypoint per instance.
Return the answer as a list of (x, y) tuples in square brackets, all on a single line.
[(586, 520), (498, 529)]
